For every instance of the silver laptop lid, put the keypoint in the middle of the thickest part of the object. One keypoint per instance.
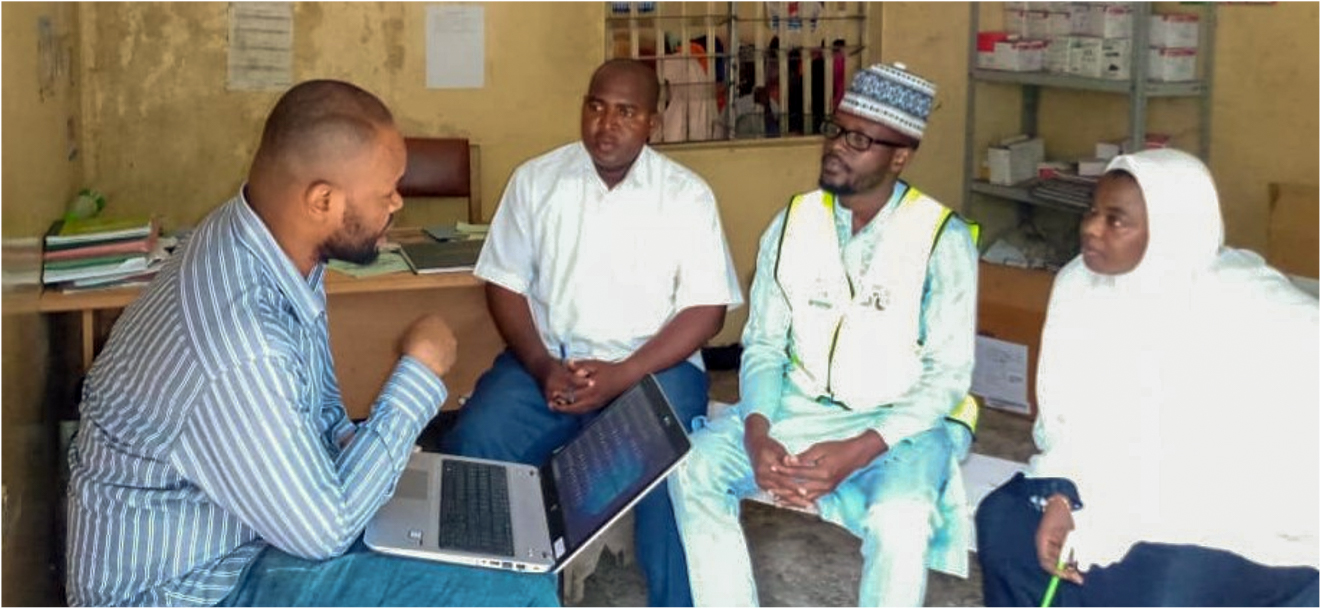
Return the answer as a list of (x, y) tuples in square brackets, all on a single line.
[(627, 450)]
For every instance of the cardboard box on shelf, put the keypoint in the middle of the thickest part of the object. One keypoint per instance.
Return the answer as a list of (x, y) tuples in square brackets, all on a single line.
[(1020, 55), (1108, 149), (985, 48), (1101, 19), (1056, 24), (1015, 22), (1172, 65), (1037, 25), (1053, 168), (985, 41), (1091, 167), (1079, 17), (1011, 305), (1175, 30), (1015, 160), (1056, 54), (1091, 57), (1084, 56)]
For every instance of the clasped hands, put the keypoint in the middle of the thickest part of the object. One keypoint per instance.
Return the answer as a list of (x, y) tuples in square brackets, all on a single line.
[(584, 385), (798, 480)]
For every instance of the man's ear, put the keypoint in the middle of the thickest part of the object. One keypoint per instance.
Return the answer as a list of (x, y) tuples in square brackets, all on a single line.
[(900, 159), (655, 122), (319, 200)]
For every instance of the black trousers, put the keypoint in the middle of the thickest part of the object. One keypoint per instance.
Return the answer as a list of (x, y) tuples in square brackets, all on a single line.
[(1151, 574)]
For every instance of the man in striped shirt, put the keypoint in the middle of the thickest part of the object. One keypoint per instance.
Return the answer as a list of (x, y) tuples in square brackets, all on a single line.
[(215, 463)]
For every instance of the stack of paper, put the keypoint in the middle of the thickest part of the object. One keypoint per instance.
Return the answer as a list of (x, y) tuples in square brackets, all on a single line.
[(102, 252)]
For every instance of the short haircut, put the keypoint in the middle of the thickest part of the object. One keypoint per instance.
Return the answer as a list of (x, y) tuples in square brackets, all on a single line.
[(632, 68), (321, 119)]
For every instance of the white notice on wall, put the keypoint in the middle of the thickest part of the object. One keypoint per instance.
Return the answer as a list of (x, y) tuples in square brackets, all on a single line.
[(260, 45), (1000, 375), (455, 46)]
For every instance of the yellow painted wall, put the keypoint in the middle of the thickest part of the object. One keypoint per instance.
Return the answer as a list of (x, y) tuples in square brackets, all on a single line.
[(1266, 109), (163, 135), (168, 136), (38, 178)]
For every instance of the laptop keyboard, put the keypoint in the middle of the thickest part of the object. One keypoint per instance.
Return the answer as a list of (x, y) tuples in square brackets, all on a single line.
[(474, 508)]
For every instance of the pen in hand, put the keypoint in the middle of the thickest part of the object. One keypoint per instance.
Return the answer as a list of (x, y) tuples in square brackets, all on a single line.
[(1065, 560), (569, 397)]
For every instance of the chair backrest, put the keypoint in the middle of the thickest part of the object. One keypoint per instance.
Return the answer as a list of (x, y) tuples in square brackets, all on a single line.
[(439, 168)]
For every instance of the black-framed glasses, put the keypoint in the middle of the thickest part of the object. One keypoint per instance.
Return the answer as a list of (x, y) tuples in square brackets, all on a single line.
[(856, 140)]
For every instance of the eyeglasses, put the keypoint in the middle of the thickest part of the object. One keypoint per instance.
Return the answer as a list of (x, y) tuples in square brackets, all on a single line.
[(856, 140)]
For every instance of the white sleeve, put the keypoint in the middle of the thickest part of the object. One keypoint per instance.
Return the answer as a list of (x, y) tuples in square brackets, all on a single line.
[(508, 258), (706, 275)]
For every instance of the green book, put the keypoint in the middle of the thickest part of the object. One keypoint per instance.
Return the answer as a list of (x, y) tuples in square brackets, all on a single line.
[(103, 260), (97, 230)]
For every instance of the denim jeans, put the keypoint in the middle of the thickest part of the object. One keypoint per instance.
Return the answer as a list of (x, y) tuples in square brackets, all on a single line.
[(362, 577), (507, 419), (1151, 574), (890, 504)]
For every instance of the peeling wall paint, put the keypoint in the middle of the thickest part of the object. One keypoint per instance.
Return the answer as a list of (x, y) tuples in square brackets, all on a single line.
[(42, 169)]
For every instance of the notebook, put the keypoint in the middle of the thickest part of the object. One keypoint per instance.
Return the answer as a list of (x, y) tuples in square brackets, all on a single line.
[(518, 517), (426, 257)]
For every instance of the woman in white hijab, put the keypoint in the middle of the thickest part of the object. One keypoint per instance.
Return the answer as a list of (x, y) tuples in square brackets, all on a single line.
[(1178, 415)]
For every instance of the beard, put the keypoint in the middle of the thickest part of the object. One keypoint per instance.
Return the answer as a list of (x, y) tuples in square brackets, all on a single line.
[(353, 243), (840, 185), (843, 189), (848, 183)]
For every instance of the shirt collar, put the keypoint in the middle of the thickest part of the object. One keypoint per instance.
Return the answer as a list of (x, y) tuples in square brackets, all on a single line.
[(843, 215), (306, 296), (640, 175)]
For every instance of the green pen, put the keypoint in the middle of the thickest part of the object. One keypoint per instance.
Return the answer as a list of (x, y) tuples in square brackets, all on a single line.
[(1054, 580)]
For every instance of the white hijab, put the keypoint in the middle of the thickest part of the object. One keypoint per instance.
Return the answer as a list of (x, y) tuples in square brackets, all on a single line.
[(1181, 397)]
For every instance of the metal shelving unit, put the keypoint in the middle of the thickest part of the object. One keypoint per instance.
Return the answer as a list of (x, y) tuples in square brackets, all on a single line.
[(1139, 90)]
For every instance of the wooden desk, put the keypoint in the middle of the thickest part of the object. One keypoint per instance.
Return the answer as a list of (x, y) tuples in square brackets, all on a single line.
[(367, 317)]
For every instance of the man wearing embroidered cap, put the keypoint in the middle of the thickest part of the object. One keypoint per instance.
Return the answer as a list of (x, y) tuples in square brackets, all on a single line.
[(857, 361)]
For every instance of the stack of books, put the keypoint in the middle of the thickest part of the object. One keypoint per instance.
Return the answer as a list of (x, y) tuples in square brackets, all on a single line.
[(98, 253)]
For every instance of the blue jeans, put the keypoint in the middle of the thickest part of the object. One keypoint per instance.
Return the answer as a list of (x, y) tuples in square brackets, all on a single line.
[(362, 577), (889, 504), (1151, 574), (507, 419)]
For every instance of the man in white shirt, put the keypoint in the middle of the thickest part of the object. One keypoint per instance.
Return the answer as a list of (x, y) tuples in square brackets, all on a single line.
[(606, 261)]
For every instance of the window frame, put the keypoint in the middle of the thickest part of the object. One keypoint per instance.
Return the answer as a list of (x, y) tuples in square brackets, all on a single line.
[(629, 26)]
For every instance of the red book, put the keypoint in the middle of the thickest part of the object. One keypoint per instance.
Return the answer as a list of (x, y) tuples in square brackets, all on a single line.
[(114, 248)]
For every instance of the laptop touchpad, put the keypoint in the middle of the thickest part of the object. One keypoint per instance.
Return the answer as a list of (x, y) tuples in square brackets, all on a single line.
[(412, 484)]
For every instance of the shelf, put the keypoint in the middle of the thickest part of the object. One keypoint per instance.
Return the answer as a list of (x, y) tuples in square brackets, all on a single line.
[(1022, 194), (1063, 81)]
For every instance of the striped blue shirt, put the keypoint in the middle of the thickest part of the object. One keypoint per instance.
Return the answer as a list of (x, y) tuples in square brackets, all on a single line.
[(212, 425)]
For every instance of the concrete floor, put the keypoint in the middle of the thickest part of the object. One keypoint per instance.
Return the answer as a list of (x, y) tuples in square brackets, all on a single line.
[(802, 561)]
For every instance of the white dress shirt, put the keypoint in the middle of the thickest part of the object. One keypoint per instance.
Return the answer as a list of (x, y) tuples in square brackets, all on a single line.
[(605, 269)]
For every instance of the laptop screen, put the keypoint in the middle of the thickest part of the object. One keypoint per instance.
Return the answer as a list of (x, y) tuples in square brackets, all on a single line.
[(630, 444)]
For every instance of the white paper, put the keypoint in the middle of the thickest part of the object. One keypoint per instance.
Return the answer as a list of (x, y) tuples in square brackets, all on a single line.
[(1000, 375), (260, 45), (455, 46), (981, 474)]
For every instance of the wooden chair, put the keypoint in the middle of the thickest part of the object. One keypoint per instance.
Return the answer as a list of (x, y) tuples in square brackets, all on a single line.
[(439, 171)]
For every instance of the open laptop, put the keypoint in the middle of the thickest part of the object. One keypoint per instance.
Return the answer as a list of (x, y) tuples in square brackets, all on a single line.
[(448, 508)]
